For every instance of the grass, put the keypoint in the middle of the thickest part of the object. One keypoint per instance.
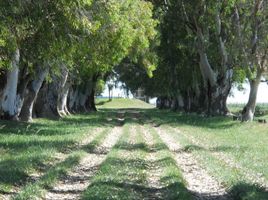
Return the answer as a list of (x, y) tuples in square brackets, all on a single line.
[(120, 178), (122, 104), (32, 148), (261, 109), (171, 177), (244, 143), (124, 173), (52, 175), (36, 189)]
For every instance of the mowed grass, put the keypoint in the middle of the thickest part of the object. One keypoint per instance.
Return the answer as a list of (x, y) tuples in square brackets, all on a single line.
[(209, 139), (124, 174), (28, 149), (121, 103), (261, 110), (31, 149)]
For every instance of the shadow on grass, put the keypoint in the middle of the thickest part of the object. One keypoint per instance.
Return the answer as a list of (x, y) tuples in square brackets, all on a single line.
[(14, 171), (192, 147), (126, 183), (248, 191), (158, 118), (101, 103), (130, 190)]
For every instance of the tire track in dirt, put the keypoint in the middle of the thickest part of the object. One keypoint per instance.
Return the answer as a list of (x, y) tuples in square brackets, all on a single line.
[(153, 172), (73, 185), (59, 157), (200, 183), (255, 178)]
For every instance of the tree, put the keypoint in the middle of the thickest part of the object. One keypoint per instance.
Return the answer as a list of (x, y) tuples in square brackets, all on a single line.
[(252, 27)]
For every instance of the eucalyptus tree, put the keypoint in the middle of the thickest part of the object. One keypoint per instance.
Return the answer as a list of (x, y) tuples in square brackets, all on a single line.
[(252, 27), (210, 22), (15, 26), (123, 29), (42, 31)]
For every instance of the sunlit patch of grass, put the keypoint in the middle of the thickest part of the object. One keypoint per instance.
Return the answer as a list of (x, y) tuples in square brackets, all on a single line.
[(120, 103), (28, 148), (121, 176), (232, 177), (36, 190), (171, 177)]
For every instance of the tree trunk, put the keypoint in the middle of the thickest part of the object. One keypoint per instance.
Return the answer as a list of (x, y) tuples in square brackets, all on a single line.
[(218, 86), (249, 109), (10, 102), (82, 97), (63, 94), (91, 101), (31, 94), (46, 102), (91, 98)]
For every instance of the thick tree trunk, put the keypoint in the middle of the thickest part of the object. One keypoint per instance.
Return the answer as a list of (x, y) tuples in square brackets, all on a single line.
[(63, 94), (31, 94), (72, 98), (91, 101), (249, 109), (217, 100), (218, 85), (82, 97), (46, 102), (10, 102)]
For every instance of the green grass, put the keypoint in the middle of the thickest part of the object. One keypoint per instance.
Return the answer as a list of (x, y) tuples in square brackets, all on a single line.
[(52, 175), (36, 190), (120, 178), (171, 177), (30, 148), (261, 109), (122, 104), (124, 173), (245, 143)]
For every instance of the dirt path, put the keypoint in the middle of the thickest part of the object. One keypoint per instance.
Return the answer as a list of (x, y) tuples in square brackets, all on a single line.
[(153, 172), (72, 186), (200, 183), (256, 178)]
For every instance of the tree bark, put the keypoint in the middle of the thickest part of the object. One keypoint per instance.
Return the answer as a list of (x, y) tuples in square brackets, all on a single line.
[(218, 84), (10, 102), (46, 102), (63, 93), (82, 97), (249, 109), (31, 94)]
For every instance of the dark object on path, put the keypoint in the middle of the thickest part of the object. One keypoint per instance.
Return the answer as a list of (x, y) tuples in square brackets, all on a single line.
[(263, 121)]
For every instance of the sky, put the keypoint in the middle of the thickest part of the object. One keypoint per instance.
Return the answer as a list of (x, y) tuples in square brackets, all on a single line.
[(242, 96), (237, 97)]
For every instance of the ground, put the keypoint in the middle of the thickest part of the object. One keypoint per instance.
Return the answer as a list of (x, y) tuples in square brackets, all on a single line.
[(130, 150)]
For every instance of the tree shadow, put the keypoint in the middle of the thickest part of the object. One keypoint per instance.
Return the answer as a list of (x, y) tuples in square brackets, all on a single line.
[(248, 191), (102, 102), (157, 118), (192, 147), (14, 171)]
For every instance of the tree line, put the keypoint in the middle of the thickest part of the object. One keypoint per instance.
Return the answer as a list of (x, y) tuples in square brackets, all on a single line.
[(204, 47), (54, 54)]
